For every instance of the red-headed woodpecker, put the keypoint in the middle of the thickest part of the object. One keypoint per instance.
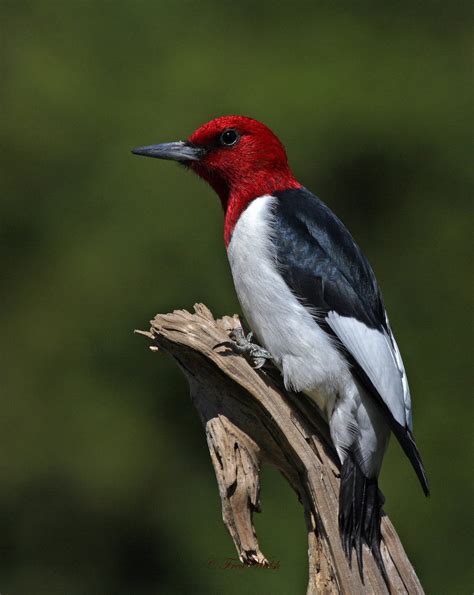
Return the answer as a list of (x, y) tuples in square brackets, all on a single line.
[(313, 302)]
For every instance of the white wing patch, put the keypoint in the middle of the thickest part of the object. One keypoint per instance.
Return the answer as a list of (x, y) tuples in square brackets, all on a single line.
[(380, 359), (406, 388)]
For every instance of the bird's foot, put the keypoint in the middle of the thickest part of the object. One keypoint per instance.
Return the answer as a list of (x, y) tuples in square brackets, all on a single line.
[(243, 344)]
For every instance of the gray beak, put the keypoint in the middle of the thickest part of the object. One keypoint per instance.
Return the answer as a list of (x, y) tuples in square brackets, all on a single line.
[(176, 151)]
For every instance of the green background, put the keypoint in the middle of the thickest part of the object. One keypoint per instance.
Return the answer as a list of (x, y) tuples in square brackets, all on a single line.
[(106, 483)]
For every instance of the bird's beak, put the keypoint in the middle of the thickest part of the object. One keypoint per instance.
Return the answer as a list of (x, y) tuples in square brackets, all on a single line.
[(176, 151)]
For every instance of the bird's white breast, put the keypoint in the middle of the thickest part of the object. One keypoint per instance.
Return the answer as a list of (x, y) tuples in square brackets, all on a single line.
[(305, 353)]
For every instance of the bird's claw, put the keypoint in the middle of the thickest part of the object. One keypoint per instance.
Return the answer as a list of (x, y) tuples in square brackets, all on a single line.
[(243, 344)]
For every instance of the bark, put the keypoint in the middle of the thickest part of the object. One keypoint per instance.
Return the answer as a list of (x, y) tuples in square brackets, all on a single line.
[(250, 420)]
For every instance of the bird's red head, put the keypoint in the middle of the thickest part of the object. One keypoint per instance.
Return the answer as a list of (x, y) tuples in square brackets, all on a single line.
[(239, 157)]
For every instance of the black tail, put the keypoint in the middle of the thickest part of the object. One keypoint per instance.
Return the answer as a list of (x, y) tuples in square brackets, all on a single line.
[(360, 511)]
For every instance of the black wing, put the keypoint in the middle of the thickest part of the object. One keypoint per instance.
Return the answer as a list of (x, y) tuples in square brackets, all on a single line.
[(326, 270)]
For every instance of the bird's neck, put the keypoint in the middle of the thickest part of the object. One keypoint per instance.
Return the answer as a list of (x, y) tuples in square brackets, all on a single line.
[(236, 198)]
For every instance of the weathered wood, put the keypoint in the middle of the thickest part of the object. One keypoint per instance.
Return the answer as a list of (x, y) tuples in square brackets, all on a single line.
[(251, 420)]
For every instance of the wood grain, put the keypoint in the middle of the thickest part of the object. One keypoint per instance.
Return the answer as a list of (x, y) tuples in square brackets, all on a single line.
[(250, 420)]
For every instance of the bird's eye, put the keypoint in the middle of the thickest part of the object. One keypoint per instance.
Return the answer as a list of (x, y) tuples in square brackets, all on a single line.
[(229, 137)]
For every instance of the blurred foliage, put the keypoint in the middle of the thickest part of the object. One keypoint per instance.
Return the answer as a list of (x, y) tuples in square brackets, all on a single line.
[(106, 482)]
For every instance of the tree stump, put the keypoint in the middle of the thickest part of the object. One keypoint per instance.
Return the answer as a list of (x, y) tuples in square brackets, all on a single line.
[(250, 420)]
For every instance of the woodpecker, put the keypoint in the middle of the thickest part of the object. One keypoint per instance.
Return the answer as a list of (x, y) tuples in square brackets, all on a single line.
[(313, 303)]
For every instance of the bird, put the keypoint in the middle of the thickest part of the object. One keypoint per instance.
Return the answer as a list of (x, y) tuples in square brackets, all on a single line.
[(313, 303)]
